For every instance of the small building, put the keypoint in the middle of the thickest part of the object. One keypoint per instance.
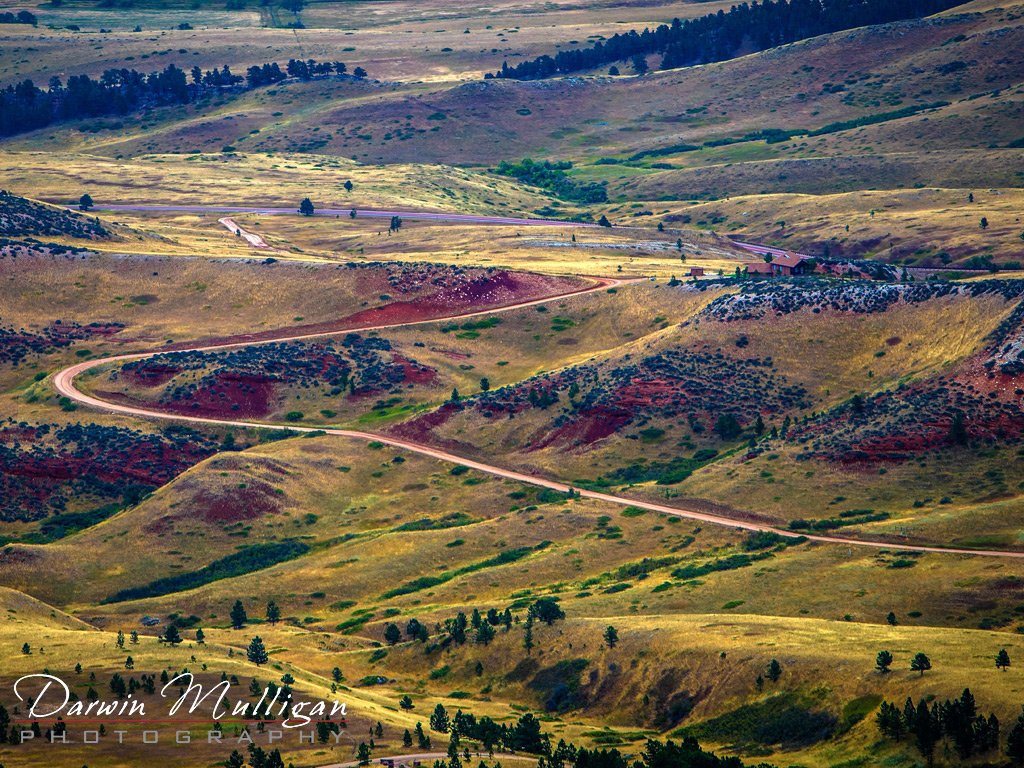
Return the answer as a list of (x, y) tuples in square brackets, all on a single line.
[(696, 271), (790, 264), (783, 265)]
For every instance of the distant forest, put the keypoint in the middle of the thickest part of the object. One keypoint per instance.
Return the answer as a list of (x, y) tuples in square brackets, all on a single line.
[(26, 107), (720, 36)]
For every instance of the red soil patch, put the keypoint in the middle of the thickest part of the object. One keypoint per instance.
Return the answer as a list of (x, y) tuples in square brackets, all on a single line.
[(414, 372), (232, 396), (587, 428), (229, 505)]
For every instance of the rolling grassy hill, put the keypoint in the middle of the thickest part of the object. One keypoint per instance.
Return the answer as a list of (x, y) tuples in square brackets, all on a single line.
[(880, 410)]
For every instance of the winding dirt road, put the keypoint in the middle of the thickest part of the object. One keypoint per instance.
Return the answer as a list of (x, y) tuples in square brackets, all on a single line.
[(64, 382)]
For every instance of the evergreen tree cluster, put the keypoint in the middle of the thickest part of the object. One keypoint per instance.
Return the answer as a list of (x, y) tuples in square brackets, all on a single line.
[(524, 735), (720, 36), (26, 107), (959, 721), (18, 17)]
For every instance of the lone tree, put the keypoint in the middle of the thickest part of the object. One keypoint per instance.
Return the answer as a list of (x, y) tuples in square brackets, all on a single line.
[(257, 652), (273, 613), (306, 207), (405, 702), (891, 619), (920, 663), (603, 221), (983, 223), (774, 670), (883, 661), (85, 202), (1002, 659), (396, 224), (172, 636), (349, 185), (392, 634), (611, 636), (238, 615), (200, 636)]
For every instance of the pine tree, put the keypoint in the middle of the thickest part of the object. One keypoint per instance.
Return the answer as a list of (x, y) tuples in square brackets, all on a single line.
[(363, 754), (920, 663), (422, 740), (257, 652), (484, 633), (120, 639), (171, 635), (273, 613), (926, 732), (1015, 741), (238, 615), (1002, 659), (528, 635), (439, 719), (405, 702), (406, 739), (306, 207), (392, 634), (348, 184), (85, 202), (611, 636), (883, 661), (200, 636), (774, 670)]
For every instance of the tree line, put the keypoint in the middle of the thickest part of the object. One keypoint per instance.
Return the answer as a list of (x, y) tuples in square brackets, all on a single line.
[(26, 107), (971, 732), (720, 36)]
